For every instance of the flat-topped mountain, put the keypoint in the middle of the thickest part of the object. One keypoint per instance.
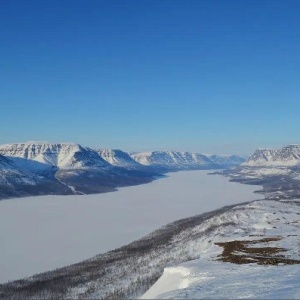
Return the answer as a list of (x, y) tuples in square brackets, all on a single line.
[(285, 156), (62, 155), (172, 159), (276, 170)]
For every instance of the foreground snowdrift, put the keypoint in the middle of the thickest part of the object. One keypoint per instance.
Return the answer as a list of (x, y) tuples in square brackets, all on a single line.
[(211, 279), (261, 260)]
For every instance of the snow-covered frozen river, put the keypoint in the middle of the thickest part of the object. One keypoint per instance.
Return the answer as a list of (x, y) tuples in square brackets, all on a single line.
[(42, 233)]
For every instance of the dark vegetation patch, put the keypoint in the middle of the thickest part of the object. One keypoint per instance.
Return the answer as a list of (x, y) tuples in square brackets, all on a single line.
[(238, 252)]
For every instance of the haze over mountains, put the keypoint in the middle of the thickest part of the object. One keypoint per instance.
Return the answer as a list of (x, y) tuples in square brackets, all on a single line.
[(41, 168)]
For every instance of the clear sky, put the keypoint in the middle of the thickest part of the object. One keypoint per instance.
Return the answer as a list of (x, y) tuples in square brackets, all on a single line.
[(207, 76)]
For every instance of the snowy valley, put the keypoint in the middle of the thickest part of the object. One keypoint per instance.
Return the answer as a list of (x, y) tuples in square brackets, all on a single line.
[(235, 250), (40, 168)]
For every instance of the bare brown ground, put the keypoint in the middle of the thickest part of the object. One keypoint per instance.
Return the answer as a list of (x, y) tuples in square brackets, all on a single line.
[(237, 252)]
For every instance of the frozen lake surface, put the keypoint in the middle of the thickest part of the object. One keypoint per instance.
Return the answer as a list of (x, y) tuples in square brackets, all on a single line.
[(42, 233)]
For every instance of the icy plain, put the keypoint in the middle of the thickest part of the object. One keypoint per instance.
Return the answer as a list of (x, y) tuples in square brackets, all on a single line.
[(46, 232)]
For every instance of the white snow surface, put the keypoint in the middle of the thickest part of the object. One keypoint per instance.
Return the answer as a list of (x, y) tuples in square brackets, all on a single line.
[(259, 172), (203, 279), (207, 278), (45, 232)]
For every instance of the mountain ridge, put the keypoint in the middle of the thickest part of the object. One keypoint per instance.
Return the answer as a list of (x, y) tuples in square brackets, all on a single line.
[(42, 168), (185, 160)]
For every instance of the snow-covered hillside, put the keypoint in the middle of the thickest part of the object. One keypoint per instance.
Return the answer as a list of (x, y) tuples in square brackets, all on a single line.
[(185, 160), (16, 181), (242, 258), (10, 174), (118, 158)]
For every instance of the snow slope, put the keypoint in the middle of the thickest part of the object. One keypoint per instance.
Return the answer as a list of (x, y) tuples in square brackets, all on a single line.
[(205, 279), (211, 277), (11, 175)]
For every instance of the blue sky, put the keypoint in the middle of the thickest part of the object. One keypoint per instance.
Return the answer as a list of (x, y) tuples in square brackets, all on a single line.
[(208, 76)]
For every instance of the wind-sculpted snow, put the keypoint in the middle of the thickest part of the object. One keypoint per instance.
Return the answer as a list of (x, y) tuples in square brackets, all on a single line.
[(129, 272), (257, 274)]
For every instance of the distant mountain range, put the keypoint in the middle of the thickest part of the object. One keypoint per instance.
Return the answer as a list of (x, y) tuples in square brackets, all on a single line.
[(41, 168), (176, 160)]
